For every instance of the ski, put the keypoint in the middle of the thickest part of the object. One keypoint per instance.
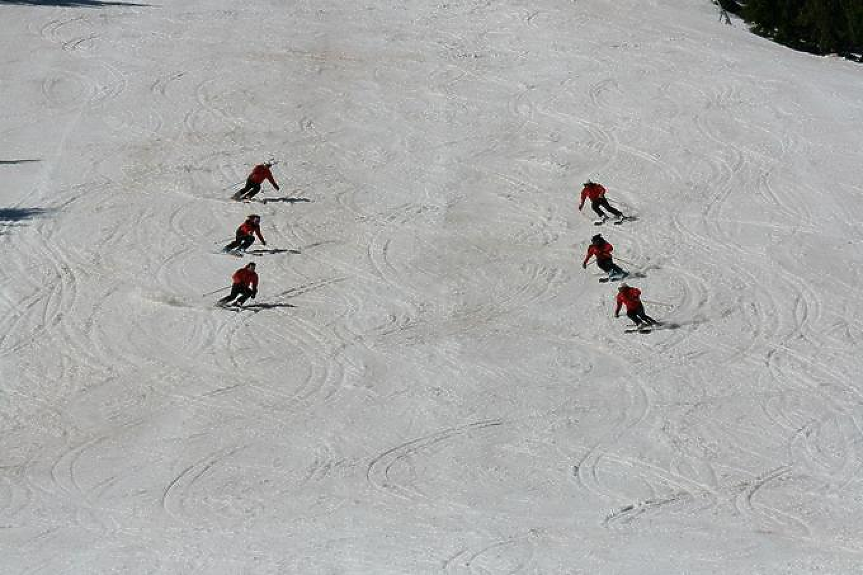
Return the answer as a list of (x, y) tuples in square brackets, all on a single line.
[(620, 221), (650, 328), (271, 251), (230, 307), (616, 278), (252, 307)]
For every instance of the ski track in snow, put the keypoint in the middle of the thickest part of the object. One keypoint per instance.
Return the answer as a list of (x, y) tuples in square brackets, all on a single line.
[(385, 470), (438, 387)]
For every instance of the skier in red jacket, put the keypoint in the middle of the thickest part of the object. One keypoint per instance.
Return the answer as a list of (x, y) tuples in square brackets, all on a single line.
[(245, 285), (631, 298), (602, 250), (246, 234), (596, 193), (259, 173)]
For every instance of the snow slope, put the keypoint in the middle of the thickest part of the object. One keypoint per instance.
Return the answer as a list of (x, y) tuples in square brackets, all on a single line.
[(435, 385)]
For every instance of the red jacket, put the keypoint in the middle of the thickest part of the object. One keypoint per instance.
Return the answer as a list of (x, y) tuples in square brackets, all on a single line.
[(630, 297), (248, 228), (245, 276), (593, 191), (602, 252), (261, 173)]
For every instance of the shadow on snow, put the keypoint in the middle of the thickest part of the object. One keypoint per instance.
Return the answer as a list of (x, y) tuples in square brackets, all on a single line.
[(70, 3), (284, 200), (265, 305), (258, 252), (679, 324), (10, 217), (19, 214)]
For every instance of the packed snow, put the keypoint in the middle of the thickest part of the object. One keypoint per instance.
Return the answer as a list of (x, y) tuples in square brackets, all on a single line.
[(428, 382)]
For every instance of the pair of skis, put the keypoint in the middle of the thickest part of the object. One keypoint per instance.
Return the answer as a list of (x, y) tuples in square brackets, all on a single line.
[(614, 278), (236, 306), (616, 222), (644, 328)]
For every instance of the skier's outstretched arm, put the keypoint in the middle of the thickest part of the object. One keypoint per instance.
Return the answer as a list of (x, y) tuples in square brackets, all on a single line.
[(272, 180)]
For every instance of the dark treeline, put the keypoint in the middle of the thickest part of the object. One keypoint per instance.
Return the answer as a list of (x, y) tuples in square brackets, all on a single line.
[(820, 26)]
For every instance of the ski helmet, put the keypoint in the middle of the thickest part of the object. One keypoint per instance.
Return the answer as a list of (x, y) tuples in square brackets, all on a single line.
[(623, 287), (597, 238), (250, 265), (253, 217)]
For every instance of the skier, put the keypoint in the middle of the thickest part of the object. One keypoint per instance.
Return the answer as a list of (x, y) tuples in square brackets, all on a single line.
[(259, 173), (631, 298), (245, 285), (596, 193), (602, 250), (246, 234)]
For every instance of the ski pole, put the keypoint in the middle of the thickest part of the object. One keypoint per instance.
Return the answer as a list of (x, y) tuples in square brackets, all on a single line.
[(215, 291)]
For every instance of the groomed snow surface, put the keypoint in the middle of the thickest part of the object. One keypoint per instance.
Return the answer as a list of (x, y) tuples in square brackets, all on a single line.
[(432, 384)]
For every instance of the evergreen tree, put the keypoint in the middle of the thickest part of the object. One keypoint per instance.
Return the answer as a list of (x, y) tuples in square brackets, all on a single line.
[(852, 13), (822, 26)]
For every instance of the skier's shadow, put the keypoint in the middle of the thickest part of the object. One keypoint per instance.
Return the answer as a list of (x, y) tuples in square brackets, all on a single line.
[(12, 217), (284, 200), (70, 3), (680, 324), (259, 252), (267, 305), (20, 214)]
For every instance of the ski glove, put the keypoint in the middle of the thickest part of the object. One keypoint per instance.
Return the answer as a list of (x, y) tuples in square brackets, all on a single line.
[(263, 242), (584, 266), (254, 293)]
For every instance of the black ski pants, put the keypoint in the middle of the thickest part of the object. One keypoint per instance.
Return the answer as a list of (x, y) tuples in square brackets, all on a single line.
[(245, 292), (607, 265), (599, 203), (250, 190), (638, 316), (242, 242)]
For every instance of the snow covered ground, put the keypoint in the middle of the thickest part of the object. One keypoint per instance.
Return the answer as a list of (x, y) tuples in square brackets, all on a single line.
[(435, 385)]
